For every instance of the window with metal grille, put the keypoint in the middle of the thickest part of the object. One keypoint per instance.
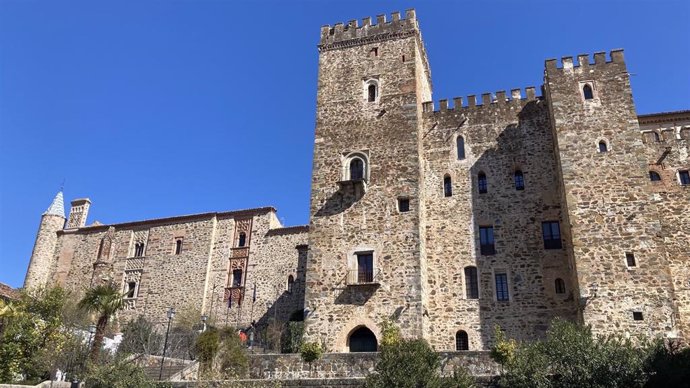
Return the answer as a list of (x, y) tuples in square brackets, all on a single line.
[(551, 232), (486, 240), (471, 283), (482, 183), (365, 267), (519, 180), (560, 286), (447, 186), (502, 287), (461, 341)]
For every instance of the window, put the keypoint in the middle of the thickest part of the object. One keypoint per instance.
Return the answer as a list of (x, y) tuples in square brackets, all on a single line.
[(290, 283), (630, 259), (637, 316), (242, 240), (236, 277), (356, 169), (365, 267), (447, 186), (684, 177), (560, 286), (461, 341), (587, 92), (656, 137), (486, 240), (654, 176), (403, 58), (519, 180), (471, 284), (372, 92), (403, 205), (551, 232), (603, 147), (460, 143), (482, 184), (501, 287), (138, 249), (178, 246), (131, 290), (374, 52)]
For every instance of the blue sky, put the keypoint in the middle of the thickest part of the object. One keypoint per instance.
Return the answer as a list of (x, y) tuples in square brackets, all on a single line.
[(162, 108)]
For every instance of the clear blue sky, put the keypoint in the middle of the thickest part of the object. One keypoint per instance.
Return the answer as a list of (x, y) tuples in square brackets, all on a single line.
[(162, 108)]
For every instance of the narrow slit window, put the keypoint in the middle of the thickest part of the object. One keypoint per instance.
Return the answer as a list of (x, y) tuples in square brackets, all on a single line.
[(178, 246), (654, 176), (447, 186), (519, 180), (587, 92), (630, 259), (460, 143), (371, 92), (603, 147), (471, 283), (290, 283), (482, 183), (560, 286)]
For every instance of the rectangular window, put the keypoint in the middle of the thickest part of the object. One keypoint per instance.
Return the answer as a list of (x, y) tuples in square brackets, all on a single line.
[(637, 315), (486, 240), (403, 205), (630, 259), (237, 278), (131, 290), (502, 287), (684, 177), (178, 245), (551, 232), (139, 250), (365, 267), (471, 284)]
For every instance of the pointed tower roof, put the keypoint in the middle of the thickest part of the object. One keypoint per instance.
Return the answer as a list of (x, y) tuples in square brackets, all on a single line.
[(57, 207)]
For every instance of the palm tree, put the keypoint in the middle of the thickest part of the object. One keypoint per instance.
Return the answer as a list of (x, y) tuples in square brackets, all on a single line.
[(105, 301)]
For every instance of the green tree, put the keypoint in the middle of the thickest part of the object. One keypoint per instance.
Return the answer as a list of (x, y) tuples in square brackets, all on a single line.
[(206, 348), (105, 301), (121, 373), (407, 363)]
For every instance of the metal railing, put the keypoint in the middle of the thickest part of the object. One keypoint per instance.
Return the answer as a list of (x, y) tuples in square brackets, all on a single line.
[(363, 277)]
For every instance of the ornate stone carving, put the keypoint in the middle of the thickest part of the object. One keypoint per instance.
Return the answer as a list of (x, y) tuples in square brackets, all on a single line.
[(139, 236), (239, 252), (238, 264)]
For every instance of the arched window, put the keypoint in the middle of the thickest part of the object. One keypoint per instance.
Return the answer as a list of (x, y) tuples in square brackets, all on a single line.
[(519, 180), (356, 169), (603, 147), (178, 246), (560, 286), (654, 176), (471, 284), (371, 92), (138, 249), (242, 239), (362, 340), (461, 340), (447, 186), (236, 277), (482, 183), (290, 283), (460, 142), (587, 92)]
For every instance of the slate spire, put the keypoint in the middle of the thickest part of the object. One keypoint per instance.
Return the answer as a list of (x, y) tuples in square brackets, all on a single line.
[(57, 207)]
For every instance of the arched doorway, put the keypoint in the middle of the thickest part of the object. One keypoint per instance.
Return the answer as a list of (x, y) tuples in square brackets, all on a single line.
[(362, 340)]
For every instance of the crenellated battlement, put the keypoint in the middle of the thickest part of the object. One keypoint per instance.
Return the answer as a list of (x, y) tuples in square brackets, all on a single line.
[(583, 60), (350, 34), (487, 101)]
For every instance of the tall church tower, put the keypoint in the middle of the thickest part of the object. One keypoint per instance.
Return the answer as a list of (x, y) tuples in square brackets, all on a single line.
[(366, 232), (42, 256)]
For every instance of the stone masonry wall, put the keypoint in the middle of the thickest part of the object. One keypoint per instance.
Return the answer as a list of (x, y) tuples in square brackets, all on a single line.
[(500, 138), (43, 254)]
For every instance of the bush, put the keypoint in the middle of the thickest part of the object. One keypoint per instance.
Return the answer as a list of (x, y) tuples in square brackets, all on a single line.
[(139, 336), (206, 348), (310, 351), (232, 358), (292, 337), (668, 365), (119, 374)]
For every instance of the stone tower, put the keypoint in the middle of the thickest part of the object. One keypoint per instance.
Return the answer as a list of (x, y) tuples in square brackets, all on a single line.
[(366, 231), (41, 263), (617, 251)]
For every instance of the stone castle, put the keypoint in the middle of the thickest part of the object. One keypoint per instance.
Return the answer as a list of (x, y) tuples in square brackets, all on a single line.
[(447, 219)]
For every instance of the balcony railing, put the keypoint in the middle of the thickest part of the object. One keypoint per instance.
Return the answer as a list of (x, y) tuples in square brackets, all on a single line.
[(357, 277)]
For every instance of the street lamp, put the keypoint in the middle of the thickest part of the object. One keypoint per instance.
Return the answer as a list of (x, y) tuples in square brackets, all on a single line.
[(204, 318), (171, 315), (92, 331)]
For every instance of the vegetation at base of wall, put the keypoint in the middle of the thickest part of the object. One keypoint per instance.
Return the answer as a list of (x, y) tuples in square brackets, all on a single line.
[(140, 337), (292, 337), (120, 373), (206, 348), (413, 363), (310, 351), (571, 356), (39, 334), (221, 354)]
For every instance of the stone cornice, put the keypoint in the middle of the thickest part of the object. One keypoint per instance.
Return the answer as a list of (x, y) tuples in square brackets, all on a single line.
[(365, 40)]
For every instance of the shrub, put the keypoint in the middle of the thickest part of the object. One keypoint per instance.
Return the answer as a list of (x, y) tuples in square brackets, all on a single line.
[(406, 363), (206, 348), (119, 374), (390, 333), (310, 351), (232, 358)]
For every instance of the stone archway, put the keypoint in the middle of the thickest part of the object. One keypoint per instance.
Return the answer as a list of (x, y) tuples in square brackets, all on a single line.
[(361, 339)]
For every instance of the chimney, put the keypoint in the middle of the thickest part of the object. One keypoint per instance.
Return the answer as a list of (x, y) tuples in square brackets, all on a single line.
[(78, 213)]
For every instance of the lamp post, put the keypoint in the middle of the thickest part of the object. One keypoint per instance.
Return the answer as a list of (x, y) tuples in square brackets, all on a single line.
[(92, 331), (204, 318), (171, 315)]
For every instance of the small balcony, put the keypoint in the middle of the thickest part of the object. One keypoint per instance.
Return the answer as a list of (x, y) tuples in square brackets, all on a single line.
[(357, 277)]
